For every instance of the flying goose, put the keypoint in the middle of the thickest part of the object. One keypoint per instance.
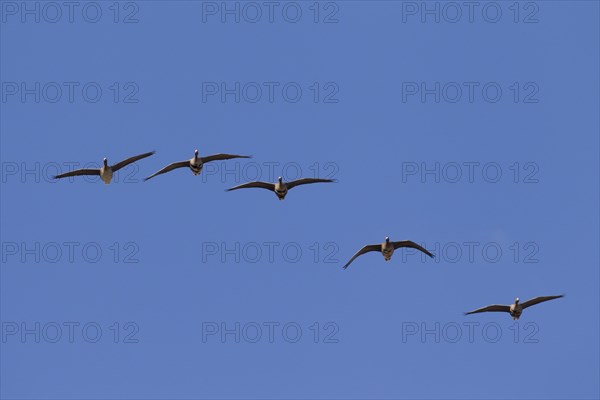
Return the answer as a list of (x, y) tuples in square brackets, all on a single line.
[(517, 308), (195, 163), (280, 188), (106, 171), (387, 249)]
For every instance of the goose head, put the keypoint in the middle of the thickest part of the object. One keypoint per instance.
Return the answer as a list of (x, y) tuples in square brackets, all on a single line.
[(280, 179), (195, 153), (105, 161), (387, 239), (516, 301)]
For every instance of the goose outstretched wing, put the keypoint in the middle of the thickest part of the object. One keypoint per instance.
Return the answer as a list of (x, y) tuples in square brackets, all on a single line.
[(540, 299), (130, 160), (412, 245), (170, 167), (493, 307), (78, 172), (257, 184), (305, 181), (366, 249), (217, 157)]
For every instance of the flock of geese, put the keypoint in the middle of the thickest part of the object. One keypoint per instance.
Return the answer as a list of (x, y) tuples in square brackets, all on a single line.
[(281, 188)]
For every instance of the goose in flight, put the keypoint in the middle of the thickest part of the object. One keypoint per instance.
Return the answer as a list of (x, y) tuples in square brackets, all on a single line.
[(195, 163), (280, 187), (387, 249), (517, 308), (106, 171)]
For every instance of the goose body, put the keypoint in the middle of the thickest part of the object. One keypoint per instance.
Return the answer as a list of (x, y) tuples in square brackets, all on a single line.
[(106, 171), (387, 249), (195, 163), (280, 187), (516, 309)]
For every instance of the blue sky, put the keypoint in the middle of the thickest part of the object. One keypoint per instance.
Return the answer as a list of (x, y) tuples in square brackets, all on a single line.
[(501, 182)]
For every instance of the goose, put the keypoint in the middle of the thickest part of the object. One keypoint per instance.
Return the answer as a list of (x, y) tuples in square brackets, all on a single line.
[(195, 163), (106, 171), (517, 308), (280, 187), (387, 249)]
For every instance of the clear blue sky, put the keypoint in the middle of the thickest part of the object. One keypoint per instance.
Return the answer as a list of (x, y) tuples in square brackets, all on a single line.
[(370, 131)]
